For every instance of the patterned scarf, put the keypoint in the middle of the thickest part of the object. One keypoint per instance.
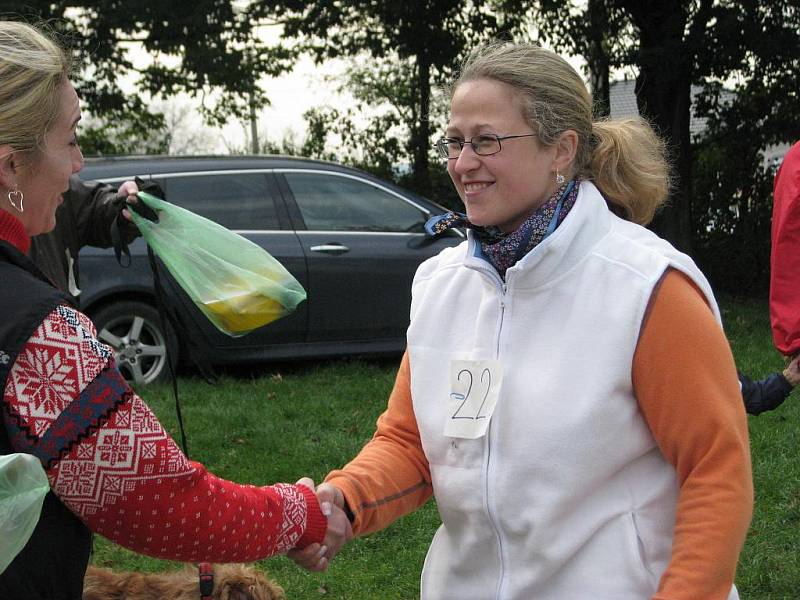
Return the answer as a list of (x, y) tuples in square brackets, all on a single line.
[(504, 250)]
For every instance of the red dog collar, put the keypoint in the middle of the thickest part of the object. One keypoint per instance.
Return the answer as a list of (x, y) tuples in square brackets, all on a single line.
[(206, 580)]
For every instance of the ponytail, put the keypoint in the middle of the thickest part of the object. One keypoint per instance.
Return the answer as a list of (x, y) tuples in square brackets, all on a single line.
[(627, 163)]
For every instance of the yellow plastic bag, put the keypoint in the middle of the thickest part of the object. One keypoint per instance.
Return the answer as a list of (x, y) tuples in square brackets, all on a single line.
[(238, 285)]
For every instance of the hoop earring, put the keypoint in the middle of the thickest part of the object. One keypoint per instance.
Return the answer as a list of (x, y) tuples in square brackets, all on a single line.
[(560, 179), (15, 196)]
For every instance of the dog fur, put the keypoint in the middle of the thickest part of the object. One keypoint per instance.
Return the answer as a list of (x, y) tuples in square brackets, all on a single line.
[(231, 582)]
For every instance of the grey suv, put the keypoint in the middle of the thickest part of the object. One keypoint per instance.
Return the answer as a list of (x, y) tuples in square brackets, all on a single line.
[(353, 241)]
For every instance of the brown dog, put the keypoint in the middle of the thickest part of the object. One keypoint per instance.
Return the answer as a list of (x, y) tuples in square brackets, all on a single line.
[(231, 582)]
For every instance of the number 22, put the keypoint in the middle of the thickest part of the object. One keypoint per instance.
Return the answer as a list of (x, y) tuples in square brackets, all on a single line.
[(486, 376)]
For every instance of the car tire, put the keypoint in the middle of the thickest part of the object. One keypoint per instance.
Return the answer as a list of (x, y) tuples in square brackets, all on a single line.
[(134, 331)]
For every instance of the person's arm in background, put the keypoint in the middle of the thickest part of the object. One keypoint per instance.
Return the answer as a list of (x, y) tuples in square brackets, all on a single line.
[(769, 393), (94, 206), (112, 463), (684, 379)]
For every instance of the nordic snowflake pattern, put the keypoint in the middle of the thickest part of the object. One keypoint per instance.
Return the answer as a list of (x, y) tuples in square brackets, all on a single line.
[(115, 466)]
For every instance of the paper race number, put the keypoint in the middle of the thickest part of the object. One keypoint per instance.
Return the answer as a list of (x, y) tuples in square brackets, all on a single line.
[(474, 389)]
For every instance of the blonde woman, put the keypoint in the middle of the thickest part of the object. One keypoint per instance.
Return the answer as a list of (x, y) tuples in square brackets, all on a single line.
[(567, 394), (112, 467)]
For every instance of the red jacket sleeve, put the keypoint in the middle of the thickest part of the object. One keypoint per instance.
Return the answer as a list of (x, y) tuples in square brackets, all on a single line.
[(784, 288)]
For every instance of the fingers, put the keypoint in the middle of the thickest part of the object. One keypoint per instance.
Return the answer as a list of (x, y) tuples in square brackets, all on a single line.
[(331, 503), (792, 371), (339, 530), (317, 557), (128, 188), (330, 493), (308, 482), (312, 557)]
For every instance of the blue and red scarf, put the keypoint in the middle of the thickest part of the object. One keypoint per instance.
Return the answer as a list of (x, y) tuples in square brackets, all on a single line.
[(505, 249)]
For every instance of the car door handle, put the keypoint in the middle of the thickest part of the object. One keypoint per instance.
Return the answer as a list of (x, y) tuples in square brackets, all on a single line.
[(331, 248)]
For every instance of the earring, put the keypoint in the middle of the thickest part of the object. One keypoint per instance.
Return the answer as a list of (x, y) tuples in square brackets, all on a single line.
[(15, 196), (559, 178)]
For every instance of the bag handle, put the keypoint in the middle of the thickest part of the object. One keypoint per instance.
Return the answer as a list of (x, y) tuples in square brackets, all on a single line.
[(120, 223), (162, 306)]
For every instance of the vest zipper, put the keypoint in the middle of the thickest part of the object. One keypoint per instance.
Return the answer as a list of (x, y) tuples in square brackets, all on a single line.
[(502, 286), (501, 576), (503, 290)]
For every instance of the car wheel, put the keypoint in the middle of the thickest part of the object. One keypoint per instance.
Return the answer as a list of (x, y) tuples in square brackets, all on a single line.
[(134, 331)]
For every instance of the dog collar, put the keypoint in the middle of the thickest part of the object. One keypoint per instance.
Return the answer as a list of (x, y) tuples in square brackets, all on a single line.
[(206, 580)]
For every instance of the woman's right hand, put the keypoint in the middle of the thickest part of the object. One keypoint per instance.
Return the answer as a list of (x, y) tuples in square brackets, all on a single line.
[(316, 557), (792, 371)]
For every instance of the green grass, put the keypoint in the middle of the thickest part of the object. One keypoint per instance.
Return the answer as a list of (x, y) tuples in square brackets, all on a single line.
[(769, 567), (283, 422)]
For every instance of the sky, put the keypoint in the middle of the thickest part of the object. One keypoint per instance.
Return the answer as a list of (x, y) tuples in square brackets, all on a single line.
[(292, 94)]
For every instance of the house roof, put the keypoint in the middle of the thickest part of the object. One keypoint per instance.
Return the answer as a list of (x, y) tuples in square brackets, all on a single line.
[(623, 103)]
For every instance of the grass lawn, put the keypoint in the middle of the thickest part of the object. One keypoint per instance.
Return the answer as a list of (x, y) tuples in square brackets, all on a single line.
[(769, 567), (288, 421)]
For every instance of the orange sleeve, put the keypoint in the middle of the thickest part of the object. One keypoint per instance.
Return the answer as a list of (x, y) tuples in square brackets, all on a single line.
[(685, 380), (390, 477)]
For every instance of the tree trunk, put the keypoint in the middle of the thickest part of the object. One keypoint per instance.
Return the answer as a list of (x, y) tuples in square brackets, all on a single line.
[(665, 100), (421, 137), (663, 95), (254, 147), (597, 59)]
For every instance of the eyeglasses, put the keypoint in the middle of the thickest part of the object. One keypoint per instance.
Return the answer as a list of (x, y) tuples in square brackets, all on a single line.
[(483, 145)]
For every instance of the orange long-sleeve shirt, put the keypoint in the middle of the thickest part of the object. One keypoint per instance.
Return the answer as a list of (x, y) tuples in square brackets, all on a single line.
[(684, 380)]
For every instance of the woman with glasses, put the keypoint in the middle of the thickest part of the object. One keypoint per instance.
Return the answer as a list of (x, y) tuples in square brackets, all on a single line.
[(567, 395)]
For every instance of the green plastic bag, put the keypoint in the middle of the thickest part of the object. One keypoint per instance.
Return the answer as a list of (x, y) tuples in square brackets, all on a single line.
[(238, 285), (23, 486)]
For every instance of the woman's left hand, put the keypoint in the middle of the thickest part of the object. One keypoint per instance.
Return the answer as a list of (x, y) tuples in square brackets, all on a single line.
[(128, 190)]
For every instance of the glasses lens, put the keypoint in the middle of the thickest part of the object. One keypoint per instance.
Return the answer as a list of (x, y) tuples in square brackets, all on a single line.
[(486, 144), (449, 147)]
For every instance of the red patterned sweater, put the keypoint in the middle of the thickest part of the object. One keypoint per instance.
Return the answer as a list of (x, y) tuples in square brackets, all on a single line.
[(112, 463)]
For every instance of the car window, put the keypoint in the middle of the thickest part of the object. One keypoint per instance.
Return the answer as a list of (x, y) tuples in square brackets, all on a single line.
[(234, 200), (335, 203)]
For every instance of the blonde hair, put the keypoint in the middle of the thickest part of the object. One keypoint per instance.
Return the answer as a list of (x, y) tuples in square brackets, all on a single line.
[(32, 67), (624, 158)]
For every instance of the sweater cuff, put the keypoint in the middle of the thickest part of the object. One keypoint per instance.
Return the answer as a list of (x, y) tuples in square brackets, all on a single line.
[(316, 522)]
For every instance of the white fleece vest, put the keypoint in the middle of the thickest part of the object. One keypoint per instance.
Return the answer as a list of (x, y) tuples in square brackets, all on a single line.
[(567, 497)]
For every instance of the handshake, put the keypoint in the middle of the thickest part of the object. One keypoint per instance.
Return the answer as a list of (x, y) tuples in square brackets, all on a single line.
[(315, 557)]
